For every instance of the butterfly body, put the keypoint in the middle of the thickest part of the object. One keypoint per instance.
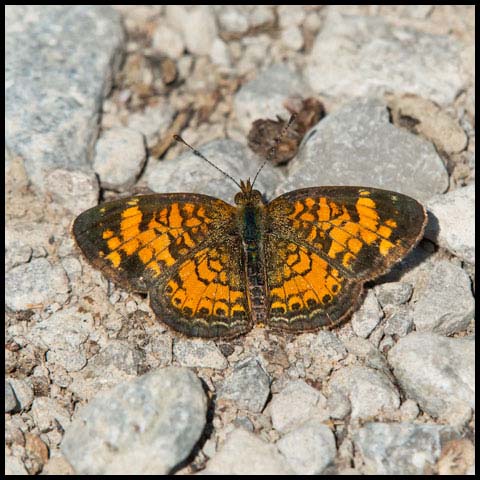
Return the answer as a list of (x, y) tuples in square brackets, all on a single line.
[(295, 264), (251, 213)]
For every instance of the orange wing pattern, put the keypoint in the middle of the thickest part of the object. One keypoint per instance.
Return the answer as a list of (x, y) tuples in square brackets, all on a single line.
[(324, 243), (308, 253), (173, 246), (206, 296)]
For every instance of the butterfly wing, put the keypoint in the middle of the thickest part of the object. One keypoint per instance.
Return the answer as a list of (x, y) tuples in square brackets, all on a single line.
[(323, 243), (206, 295), (158, 244)]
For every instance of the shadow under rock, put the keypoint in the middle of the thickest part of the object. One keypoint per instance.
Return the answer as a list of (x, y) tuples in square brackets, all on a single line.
[(206, 434)]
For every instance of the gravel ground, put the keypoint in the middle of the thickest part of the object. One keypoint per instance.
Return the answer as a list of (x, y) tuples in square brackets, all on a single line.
[(94, 383)]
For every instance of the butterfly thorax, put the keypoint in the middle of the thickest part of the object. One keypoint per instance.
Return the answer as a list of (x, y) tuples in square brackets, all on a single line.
[(251, 228)]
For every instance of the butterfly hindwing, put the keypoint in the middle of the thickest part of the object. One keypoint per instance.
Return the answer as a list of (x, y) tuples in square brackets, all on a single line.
[(206, 295)]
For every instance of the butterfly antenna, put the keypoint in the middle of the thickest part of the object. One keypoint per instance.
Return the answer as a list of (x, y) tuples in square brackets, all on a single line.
[(178, 138), (273, 151)]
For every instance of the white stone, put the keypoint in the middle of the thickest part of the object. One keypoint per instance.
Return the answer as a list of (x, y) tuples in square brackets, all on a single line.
[(153, 122), (243, 453), (199, 353), (219, 53), (264, 96), (168, 41), (369, 391), (74, 190), (120, 155), (309, 448), (292, 38), (197, 24), (296, 403), (290, 15), (443, 300), (37, 282), (435, 371), (367, 317), (455, 213)]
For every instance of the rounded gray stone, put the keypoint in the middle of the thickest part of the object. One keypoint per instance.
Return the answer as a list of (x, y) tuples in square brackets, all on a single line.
[(37, 282), (248, 386), (264, 96), (244, 453), (238, 19), (394, 293), (369, 391), (443, 300), (119, 157), (309, 448), (338, 405), (168, 41), (435, 371), (199, 353), (454, 226), (146, 426), (187, 19), (400, 449), (400, 321), (153, 122), (296, 403), (368, 316), (379, 154)]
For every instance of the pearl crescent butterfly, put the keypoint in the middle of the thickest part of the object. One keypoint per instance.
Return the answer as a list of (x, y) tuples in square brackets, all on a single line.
[(295, 264)]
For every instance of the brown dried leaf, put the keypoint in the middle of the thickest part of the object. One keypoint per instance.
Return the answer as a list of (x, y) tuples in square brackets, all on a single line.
[(265, 133)]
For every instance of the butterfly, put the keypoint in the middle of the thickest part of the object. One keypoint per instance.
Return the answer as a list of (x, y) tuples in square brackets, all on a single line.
[(295, 264)]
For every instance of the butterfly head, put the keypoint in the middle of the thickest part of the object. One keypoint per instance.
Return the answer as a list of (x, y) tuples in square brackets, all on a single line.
[(248, 195)]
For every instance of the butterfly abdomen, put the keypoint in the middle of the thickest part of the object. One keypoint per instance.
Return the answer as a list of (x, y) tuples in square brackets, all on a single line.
[(254, 263)]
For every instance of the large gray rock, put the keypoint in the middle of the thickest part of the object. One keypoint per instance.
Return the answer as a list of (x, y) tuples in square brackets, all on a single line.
[(56, 76), (189, 173), (437, 372), (443, 300), (359, 55), (146, 426), (400, 449), (357, 145), (454, 225)]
